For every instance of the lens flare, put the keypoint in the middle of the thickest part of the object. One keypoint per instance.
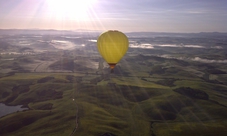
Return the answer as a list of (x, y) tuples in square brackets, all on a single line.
[(73, 9)]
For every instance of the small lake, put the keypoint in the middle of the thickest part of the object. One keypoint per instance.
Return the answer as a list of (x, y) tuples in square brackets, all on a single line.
[(4, 109)]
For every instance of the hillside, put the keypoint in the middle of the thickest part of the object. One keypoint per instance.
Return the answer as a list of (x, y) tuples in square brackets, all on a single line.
[(164, 86)]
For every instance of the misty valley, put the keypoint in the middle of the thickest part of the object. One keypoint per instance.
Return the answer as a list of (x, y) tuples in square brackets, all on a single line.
[(167, 84)]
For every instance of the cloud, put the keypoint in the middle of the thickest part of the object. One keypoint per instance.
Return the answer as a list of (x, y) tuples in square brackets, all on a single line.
[(166, 45), (193, 46), (143, 46), (193, 59), (216, 47), (208, 61), (64, 45), (92, 40)]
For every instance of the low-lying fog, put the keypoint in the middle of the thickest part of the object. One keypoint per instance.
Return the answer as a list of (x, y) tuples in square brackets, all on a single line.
[(64, 45), (74, 42), (193, 59), (152, 46)]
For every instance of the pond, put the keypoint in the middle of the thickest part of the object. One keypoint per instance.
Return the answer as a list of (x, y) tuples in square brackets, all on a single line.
[(4, 109)]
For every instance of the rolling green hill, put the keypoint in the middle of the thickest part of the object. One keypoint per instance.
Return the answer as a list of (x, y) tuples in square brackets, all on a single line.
[(58, 103), (162, 91)]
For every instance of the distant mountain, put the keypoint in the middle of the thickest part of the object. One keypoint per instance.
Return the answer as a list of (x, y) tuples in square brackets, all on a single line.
[(48, 32), (167, 34), (87, 32)]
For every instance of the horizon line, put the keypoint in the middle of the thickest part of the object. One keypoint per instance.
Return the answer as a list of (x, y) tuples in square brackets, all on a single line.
[(90, 30)]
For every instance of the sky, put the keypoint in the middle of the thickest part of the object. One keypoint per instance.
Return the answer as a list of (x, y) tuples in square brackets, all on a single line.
[(125, 15)]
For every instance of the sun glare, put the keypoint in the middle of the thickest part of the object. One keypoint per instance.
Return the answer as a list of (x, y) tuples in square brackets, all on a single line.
[(73, 9)]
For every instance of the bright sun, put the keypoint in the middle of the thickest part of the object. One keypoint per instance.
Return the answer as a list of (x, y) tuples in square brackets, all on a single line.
[(74, 9)]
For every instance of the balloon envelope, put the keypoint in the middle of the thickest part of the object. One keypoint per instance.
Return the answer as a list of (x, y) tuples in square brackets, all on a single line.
[(112, 45)]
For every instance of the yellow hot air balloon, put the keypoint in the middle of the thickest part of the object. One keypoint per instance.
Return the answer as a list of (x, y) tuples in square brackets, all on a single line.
[(112, 45)]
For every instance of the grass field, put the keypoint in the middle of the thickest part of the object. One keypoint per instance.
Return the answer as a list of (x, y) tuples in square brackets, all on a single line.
[(146, 96), (120, 106)]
